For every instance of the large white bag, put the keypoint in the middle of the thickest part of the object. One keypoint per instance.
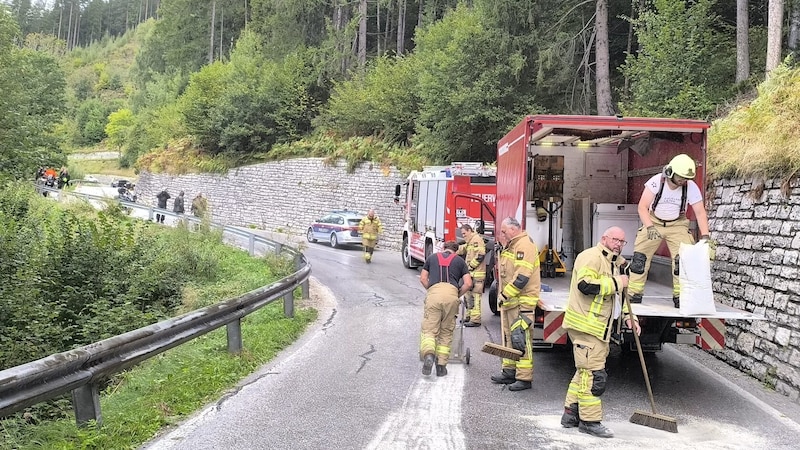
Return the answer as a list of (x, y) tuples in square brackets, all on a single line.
[(697, 296)]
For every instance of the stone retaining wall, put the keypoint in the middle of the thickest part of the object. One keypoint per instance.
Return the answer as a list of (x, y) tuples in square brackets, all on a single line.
[(756, 225), (287, 196)]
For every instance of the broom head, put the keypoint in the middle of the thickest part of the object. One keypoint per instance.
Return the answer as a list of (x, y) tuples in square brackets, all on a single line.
[(503, 352), (656, 421)]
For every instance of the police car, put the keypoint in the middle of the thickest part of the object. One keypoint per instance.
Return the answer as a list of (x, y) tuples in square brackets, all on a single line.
[(337, 228)]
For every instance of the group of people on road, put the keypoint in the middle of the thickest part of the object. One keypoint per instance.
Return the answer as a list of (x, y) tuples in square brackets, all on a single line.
[(600, 279), (199, 205)]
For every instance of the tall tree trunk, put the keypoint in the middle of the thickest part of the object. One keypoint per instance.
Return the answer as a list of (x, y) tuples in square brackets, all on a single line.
[(362, 33), (605, 106), (213, 27), (60, 19), (794, 27), (69, 27), (742, 41), (378, 26), (401, 26), (221, 29), (774, 34)]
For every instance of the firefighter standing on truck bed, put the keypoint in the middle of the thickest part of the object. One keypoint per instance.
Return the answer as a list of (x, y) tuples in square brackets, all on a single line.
[(474, 252), (369, 227), (598, 275), (446, 277), (662, 210), (519, 285)]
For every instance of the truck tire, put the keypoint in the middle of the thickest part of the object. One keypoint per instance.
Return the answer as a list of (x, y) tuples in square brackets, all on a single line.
[(493, 298), (405, 254), (428, 249)]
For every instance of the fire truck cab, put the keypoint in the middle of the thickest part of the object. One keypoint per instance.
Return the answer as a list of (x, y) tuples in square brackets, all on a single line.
[(438, 200)]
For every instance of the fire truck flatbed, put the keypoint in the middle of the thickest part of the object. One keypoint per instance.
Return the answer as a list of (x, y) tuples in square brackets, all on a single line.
[(657, 302), (662, 322)]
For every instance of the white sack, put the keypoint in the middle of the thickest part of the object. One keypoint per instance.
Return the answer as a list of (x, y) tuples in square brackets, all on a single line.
[(697, 297)]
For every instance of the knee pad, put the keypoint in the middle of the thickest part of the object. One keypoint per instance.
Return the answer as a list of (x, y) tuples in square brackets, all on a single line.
[(599, 379), (677, 271), (637, 265), (518, 330)]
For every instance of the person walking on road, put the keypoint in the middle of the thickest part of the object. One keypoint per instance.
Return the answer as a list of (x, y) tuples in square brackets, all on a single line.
[(598, 277), (519, 286), (199, 206), (474, 252), (662, 210), (370, 227), (447, 278), (162, 198)]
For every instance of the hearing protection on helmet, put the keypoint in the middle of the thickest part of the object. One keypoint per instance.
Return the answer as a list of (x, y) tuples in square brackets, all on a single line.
[(682, 166)]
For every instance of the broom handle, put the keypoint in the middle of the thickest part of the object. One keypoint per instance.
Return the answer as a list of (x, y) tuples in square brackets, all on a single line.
[(639, 350)]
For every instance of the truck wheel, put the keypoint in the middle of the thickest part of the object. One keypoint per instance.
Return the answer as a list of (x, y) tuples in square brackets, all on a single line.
[(406, 255), (493, 298), (428, 249), (310, 235)]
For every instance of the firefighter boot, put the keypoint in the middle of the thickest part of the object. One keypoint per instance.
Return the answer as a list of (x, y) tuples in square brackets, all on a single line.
[(570, 417), (508, 376), (519, 385), (635, 298), (595, 429), (441, 370), (427, 365)]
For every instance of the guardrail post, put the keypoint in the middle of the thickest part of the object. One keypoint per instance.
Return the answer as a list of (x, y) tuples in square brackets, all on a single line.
[(288, 304), (234, 330), (86, 404), (305, 286), (252, 245)]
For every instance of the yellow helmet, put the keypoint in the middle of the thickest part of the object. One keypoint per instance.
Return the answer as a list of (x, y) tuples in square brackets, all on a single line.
[(682, 166)]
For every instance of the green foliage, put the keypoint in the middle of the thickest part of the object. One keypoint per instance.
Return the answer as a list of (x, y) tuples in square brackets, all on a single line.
[(684, 66), (354, 151), (31, 102), (77, 276), (92, 118), (755, 139), (382, 102), (118, 126), (465, 110), (254, 103)]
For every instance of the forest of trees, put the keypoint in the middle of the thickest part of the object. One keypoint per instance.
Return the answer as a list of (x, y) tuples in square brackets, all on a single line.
[(442, 78)]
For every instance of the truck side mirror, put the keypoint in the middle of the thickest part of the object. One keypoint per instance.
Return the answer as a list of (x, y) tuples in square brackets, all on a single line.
[(396, 193)]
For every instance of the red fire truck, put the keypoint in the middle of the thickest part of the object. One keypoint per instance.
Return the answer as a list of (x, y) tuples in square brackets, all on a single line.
[(439, 199), (591, 170)]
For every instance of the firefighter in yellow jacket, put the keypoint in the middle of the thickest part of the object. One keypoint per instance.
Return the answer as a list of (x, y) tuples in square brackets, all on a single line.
[(474, 252), (598, 276), (519, 285), (370, 227)]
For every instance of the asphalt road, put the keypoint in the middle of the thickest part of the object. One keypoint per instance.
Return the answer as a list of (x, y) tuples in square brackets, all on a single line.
[(353, 381)]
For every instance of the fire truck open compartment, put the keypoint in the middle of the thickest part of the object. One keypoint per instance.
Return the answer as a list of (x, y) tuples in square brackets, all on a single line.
[(606, 160)]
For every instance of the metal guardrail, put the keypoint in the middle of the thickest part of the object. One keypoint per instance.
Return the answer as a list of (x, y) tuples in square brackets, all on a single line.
[(83, 369)]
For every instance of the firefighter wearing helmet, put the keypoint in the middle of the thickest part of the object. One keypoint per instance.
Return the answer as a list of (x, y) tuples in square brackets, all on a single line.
[(370, 227), (662, 210), (474, 252)]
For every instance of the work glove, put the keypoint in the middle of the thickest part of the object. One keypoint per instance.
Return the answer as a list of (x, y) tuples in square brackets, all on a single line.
[(652, 233), (712, 246)]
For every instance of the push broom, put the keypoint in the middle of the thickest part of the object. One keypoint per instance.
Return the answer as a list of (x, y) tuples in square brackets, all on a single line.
[(501, 350), (639, 417)]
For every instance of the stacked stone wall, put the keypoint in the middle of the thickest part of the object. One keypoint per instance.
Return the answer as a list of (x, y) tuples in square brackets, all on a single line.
[(287, 196), (757, 227)]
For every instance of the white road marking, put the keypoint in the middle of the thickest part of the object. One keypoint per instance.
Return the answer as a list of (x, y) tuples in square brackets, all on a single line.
[(430, 417)]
